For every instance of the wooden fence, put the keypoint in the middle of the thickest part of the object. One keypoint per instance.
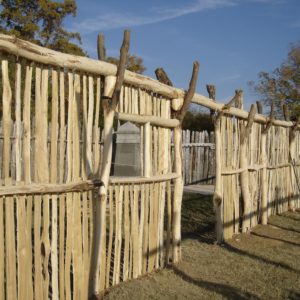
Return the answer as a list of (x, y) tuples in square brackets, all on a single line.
[(67, 229), (198, 157), (257, 169)]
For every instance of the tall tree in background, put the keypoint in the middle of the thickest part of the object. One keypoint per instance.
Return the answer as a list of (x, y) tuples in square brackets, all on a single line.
[(41, 22), (282, 86)]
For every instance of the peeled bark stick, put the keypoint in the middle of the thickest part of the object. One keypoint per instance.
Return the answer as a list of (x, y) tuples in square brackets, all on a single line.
[(259, 107), (101, 47), (162, 76), (244, 177), (211, 89), (190, 93), (109, 106)]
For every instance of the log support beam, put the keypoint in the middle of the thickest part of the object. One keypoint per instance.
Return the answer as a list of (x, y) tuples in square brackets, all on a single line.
[(178, 182), (112, 91)]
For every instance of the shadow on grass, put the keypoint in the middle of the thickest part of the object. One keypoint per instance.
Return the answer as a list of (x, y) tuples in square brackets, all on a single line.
[(198, 219), (260, 258), (227, 291), (275, 239), (283, 227), (294, 295)]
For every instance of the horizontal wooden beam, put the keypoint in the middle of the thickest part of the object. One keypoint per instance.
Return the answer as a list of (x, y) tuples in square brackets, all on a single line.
[(155, 178), (210, 145), (143, 119), (256, 168), (32, 52), (47, 188), (77, 186)]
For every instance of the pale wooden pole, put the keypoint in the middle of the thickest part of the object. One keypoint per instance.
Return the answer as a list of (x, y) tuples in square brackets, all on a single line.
[(109, 106), (218, 193), (264, 163), (178, 182), (245, 130)]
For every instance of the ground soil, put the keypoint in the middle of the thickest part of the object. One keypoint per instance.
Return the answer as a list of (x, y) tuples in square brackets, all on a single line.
[(262, 265)]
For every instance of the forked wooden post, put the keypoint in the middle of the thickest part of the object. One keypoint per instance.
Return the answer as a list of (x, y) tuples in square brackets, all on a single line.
[(264, 163), (178, 182), (217, 197), (112, 90), (292, 153), (245, 130)]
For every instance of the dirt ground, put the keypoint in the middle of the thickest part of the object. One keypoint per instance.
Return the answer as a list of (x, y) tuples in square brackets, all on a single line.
[(262, 265)]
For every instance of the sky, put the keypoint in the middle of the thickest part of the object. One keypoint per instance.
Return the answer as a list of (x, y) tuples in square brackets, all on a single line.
[(232, 39)]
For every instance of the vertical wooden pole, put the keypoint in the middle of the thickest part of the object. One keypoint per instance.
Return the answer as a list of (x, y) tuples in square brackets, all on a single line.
[(112, 97), (217, 197), (178, 182), (245, 131), (264, 163)]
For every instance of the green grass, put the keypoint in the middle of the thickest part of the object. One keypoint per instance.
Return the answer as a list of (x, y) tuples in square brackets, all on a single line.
[(262, 265)]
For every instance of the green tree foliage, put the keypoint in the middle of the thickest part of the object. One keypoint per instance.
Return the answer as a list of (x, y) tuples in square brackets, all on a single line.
[(197, 121), (134, 63), (41, 22), (282, 86)]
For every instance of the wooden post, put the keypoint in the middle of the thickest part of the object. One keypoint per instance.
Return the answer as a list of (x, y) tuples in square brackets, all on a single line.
[(264, 163), (211, 90), (245, 131), (217, 197), (162, 76), (178, 183), (263, 178), (101, 47), (109, 107)]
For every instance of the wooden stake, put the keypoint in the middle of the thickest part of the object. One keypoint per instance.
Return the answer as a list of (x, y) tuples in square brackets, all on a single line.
[(101, 47), (109, 107)]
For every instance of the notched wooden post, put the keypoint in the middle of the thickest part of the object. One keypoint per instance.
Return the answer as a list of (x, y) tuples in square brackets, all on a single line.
[(217, 197), (211, 90), (259, 107), (113, 89), (178, 182), (245, 131), (101, 47), (162, 76)]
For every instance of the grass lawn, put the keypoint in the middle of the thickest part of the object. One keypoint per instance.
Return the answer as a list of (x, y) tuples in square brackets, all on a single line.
[(262, 265)]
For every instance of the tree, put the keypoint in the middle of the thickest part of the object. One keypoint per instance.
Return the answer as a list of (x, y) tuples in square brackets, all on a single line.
[(282, 86), (41, 22), (197, 121), (134, 63)]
